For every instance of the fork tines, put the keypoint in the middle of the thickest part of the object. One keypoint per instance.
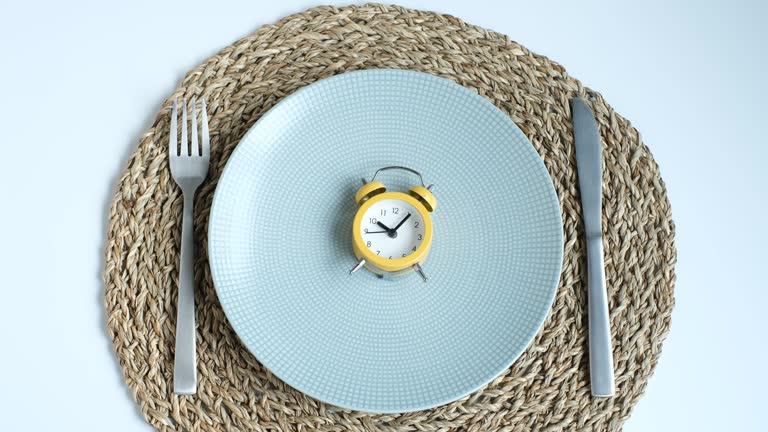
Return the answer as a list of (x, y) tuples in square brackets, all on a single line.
[(187, 147)]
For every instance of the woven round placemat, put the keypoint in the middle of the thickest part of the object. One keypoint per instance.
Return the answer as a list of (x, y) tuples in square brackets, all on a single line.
[(547, 388)]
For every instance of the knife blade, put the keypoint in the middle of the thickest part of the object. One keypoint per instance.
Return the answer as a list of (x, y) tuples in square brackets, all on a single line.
[(590, 173)]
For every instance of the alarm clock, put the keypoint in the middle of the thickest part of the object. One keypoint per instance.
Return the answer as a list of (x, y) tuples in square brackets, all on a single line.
[(392, 231)]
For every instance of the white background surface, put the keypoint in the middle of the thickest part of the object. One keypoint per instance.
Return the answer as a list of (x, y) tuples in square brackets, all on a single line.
[(81, 81)]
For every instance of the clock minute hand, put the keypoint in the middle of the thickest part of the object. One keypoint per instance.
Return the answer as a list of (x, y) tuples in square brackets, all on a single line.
[(401, 222)]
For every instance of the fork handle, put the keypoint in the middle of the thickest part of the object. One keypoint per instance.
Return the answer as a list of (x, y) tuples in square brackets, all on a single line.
[(185, 362)]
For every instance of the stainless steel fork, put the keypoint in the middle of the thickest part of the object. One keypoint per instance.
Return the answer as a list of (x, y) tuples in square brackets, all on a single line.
[(189, 166)]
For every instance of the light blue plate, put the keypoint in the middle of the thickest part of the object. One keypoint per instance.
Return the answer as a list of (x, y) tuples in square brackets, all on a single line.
[(280, 242)]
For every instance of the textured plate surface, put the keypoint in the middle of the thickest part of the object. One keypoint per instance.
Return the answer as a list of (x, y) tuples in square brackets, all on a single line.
[(280, 242)]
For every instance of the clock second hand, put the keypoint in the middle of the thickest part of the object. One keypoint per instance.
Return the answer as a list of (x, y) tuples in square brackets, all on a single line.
[(375, 232)]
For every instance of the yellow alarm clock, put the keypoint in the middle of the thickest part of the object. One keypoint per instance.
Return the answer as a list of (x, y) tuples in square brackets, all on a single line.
[(392, 231)]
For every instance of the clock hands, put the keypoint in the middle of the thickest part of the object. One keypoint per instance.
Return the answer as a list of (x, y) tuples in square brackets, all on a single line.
[(391, 232)]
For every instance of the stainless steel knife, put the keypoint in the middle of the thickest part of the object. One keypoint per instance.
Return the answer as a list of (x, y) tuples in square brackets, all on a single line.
[(590, 170)]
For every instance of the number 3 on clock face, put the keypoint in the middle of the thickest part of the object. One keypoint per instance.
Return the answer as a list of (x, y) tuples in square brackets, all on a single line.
[(392, 228)]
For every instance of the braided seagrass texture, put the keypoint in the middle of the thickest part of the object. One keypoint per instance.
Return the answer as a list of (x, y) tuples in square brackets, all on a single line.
[(547, 388)]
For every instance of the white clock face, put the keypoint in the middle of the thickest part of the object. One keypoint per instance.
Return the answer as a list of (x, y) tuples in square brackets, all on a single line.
[(392, 229)]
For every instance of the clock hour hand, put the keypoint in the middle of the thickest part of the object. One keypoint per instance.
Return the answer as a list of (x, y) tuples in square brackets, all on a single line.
[(392, 233), (401, 222)]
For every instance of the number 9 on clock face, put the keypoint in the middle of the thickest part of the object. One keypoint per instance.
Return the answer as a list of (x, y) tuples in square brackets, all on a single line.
[(392, 228)]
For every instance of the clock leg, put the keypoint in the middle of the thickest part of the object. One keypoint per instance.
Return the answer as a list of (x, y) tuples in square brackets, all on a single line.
[(420, 271), (359, 265)]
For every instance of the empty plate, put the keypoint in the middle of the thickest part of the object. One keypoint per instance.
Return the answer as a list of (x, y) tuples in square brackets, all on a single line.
[(280, 242)]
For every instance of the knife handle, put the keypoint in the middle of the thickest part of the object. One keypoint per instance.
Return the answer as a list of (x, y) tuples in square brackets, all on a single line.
[(600, 350)]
